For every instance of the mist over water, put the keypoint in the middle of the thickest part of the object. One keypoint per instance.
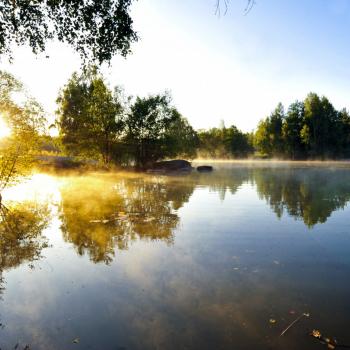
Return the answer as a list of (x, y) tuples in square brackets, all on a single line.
[(134, 261)]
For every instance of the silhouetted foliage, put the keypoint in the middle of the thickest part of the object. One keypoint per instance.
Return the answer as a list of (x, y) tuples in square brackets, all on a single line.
[(97, 30)]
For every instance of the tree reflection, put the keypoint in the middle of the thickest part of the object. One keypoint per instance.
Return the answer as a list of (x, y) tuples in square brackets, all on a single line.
[(21, 240), (102, 213), (310, 194)]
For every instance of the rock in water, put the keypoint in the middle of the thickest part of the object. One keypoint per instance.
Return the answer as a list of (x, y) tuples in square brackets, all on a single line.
[(204, 168), (172, 165)]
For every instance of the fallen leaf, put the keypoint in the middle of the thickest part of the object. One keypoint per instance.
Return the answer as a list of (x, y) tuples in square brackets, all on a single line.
[(272, 321), (316, 333)]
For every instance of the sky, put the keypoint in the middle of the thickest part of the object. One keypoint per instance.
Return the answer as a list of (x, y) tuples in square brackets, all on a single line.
[(233, 67)]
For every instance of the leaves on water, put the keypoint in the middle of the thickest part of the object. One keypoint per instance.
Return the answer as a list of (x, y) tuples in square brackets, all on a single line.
[(316, 333), (331, 343)]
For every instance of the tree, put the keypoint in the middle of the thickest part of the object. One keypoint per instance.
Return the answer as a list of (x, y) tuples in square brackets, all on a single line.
[(344, 135), (26, 121), (211, 143), (262, 138), (180, 138), (148, 129), (239, 144), (97, 30), (320, 125), (291, 130), (224, 143), (90, 116), (268, 137)]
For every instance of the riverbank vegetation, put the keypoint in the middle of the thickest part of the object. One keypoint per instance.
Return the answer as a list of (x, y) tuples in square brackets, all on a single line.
[(103, 126), (98, 122)]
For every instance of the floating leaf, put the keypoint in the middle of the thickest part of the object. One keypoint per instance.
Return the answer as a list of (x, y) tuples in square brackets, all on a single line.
[(316, 333)]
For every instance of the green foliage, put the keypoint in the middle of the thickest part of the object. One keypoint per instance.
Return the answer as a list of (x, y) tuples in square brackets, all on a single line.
[(97, 123), (25, 118), (310, 129), (90, 116), (156, 130), (292, 131), (224, 143), (97, 30), (268, 137), (181, 140)]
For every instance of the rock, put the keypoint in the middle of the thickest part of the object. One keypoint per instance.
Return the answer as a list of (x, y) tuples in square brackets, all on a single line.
[(204, 168), (171, 165)]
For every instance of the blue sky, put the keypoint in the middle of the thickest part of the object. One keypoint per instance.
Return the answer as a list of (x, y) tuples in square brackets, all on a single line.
[(234, 67)]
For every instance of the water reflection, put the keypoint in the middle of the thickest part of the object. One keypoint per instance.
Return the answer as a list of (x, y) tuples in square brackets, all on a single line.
[(216, 288), (311, 195), (21, 239), (102, 213)]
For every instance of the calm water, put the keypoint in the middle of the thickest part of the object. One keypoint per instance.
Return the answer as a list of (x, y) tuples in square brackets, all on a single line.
[(204, 261)]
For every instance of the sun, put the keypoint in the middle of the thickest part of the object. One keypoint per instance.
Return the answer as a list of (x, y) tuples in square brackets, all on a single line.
[(5, 131)]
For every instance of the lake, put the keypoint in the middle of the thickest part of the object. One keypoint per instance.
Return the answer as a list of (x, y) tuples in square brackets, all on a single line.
[(221, 260)]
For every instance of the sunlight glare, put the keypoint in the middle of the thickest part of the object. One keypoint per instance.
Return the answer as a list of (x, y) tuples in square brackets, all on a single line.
[(5, 131)]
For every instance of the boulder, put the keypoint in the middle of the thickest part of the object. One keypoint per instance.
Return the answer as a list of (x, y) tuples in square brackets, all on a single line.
[(204, 168)]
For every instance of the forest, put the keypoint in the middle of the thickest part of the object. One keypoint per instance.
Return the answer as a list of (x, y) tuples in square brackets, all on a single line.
[(105, 126), (126, 130)]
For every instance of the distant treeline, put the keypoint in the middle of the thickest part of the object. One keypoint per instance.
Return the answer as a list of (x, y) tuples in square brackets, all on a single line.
[(99, 123), (312, 129)]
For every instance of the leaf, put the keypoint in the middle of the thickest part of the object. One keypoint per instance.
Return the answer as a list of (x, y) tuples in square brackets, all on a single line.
[(316, 333)]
